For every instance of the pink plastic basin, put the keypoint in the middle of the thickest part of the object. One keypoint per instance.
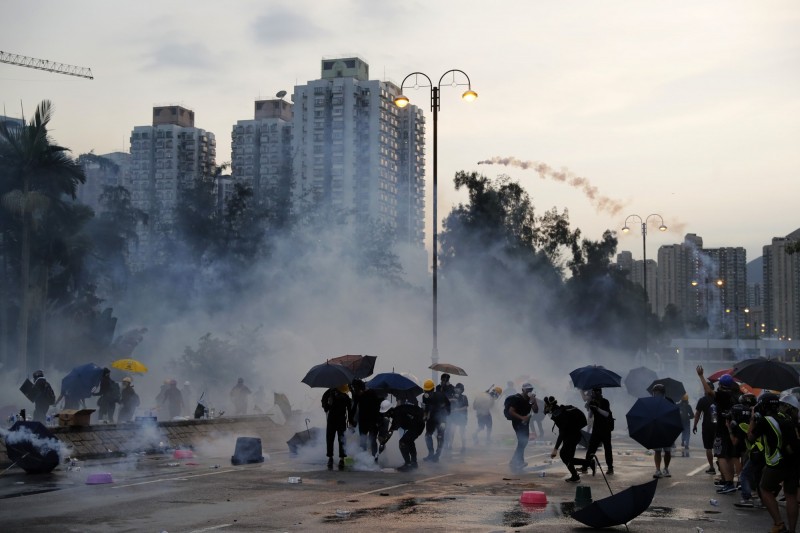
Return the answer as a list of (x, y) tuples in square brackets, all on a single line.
[(533, 497), (99, 479), (183, 454)]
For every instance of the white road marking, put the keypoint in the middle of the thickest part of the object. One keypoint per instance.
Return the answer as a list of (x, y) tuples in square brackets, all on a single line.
[(212, 528), (697, 470), (350, 496), (177, 478), (527, 457)]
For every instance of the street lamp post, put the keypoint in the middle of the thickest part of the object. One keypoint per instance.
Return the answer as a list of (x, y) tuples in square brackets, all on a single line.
[(402, 101), (626, 229)]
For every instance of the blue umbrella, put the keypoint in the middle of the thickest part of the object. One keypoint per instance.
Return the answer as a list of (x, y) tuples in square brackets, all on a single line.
[(595, 376), (654, 422), (81, 380), (394, 383)]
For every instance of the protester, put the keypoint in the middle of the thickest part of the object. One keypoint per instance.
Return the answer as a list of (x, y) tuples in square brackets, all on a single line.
[(458, 416), (601, 430), (483, 404), (705, 407), (780, 454), (366, 415), (239, 394), (42, 396), (109, 393), (128, 401), (724, 399), (569, 420), (753, 452), (687, 415), (70, 400), (410, 418), (336, 404), (188, 396), (660, 391), (172, 399), (517, 408), (436, 407)]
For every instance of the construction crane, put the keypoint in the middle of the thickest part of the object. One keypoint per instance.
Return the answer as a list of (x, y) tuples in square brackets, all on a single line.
[(43, 64)]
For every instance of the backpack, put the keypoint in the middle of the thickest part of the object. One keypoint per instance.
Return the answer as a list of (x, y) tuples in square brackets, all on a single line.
[(49, 394), (509, 402), (571, 417)]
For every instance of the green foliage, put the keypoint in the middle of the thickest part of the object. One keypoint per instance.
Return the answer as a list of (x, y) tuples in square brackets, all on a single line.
[(217, 362)]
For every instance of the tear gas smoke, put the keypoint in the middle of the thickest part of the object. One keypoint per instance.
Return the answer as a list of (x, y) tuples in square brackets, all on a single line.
[(600, 202), (42, 444)]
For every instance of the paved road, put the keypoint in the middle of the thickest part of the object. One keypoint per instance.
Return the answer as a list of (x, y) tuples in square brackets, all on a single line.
[(473, 492)]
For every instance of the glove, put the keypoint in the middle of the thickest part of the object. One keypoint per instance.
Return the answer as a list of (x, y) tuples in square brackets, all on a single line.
[(694, 430)]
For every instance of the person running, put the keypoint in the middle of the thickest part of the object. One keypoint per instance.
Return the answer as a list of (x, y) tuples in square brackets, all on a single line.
[(601, 430), (411, 419), (517, 408), (483, 404), (336, 404), (569, 420), (659, 391), (705, 408), (436, 407)]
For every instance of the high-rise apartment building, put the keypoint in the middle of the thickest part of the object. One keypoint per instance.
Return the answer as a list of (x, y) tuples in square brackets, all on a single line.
[(781, 289), (166, 158), (356, 153), (731, 280), (261, 152)]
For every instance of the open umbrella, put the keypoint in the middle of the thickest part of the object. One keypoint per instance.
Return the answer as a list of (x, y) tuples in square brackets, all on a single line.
[(638, 379), (394, 383), (448, 369), (129, 365), (328, 375), (361, 366), (81, 380), (32, 447), (594, 376), (713, 378), (673, 389), (619, 508), (766, 373), (302, 438), (654, 422)]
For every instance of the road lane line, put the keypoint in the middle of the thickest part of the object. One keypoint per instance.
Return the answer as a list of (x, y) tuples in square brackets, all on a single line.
[(212, 528), (527, 457), (184, 478), (697, 470), (383, 489)]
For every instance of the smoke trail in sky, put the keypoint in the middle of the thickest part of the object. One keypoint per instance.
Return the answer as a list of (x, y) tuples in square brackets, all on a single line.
[(601, 203)]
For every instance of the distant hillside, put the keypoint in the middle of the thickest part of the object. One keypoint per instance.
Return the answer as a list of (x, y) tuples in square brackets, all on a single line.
[(755, 271)]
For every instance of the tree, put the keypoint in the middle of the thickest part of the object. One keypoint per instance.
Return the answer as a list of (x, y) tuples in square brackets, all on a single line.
[(35, 173)]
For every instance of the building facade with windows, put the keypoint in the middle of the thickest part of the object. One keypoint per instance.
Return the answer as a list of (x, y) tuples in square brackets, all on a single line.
[(781, 296)]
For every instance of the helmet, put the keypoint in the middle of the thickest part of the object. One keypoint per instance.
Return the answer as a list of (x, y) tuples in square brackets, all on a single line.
[(428, 385), (790, 399), (385, 406), (527, 387), (126, 379), (659, 388), (726, 380), (498, 390), (344, 388), (38, 374), (459, 387), (748, 398), (685, 397), (240, 380), (768, 402)]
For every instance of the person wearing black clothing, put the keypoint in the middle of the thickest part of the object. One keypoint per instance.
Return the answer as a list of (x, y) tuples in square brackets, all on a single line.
[(724, 398), (569, 420), (705, 408), (436, 408), (128, 401), (108, 397), (601, 430), (366, 415), (410, 418), (337, 405), (520, 406), (458, 416), (43, 396)]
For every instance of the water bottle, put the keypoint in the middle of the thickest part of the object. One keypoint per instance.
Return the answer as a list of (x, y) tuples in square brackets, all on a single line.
[(713, 502), (49, 420), (714, 413)]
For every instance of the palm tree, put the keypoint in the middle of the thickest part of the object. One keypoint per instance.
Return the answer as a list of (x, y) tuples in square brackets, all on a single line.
[(34, 173)]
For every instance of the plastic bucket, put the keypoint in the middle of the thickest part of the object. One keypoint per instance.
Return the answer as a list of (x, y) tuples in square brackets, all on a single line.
[(533, 497), (99, 479)]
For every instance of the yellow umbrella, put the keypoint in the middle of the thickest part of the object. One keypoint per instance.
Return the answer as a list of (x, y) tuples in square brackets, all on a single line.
[(129, 365)]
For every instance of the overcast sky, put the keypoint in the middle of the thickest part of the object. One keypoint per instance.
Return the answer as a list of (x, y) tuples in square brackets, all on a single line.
[(685, 109)]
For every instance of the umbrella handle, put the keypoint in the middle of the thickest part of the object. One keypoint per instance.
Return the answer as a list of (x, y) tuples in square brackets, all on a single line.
[(308, 431)]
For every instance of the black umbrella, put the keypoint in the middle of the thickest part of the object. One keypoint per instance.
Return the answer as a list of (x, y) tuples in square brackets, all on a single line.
[(673, 389), (361, 366), (302, 438), (654, 422), (765, 373), (619, 508), (638, 379), (32, 447), (394, 383), (595, 376), (328, 375)]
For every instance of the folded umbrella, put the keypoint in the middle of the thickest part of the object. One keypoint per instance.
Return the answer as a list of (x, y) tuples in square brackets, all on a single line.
[(80, 381), (448, 369), (766, 373), (595, 376), (654, 422), (129, 365), (638, 379), (673, 389), (361, 366), (32, 447), (327, 375), (619, 508)]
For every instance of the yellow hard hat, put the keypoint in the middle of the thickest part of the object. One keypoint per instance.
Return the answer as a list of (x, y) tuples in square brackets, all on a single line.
[(498, 390), (428, 385), (344, 388)]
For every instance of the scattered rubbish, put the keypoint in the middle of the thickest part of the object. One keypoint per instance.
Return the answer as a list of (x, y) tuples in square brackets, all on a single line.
[(384, 493), (183, 454), (342, 513), (295, 479), (214, 466), (698, 529), (543, 474), (649, 452), (173, 464), (99, 479), (713, 502), (190, 463)]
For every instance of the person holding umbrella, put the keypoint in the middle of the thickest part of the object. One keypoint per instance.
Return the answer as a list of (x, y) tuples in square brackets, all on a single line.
[(336, 404), (601, 429), (659, 390)]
